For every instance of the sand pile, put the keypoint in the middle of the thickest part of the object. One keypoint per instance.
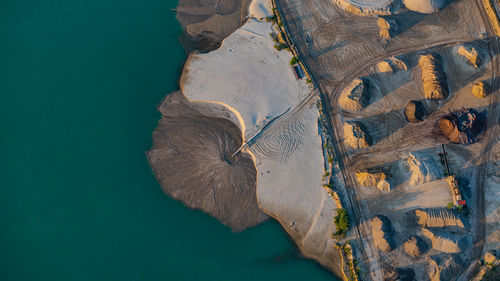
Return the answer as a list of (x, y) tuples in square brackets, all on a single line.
[(415, 246), (382, 233), (470, 55), (377, 179), (191, 158), (386, 27), (441, 218), (398, 274), (355, 96), (391, 65), (425, 6), (355, 135), (490, 257), (370, 7), (422, 168), (441, 243), (480, 89), (444, 268), (208, 22), (464, 126), (415, 111), (433, 78)]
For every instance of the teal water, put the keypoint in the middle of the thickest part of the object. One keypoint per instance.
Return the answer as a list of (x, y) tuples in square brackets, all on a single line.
[(79, 84)]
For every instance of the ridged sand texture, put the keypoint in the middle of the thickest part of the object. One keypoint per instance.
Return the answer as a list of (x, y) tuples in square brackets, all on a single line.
[(440, 218), (433, 80)]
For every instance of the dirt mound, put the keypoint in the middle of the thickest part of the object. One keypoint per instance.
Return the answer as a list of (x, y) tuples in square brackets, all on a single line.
[(415, 246), (391, 65), (386, 27), (444, 268), (441, 243), (355, 135), (480, 89), (470, 55), (382, 233), (191, 158), (441, 218), (433, 78), (355, 96), (415, 112), (425, 6), (421, 167), (464, 126), (398, 274), (377, 179)]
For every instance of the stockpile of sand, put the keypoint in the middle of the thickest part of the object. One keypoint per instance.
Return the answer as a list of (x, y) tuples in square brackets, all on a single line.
[(421, 167), (464, 126), (470, 55), (386, 27), (441, 243), (377, 179), (355, 96), (191, 158), (433, 78), (355, 135), (391, 65), (415, 112), (425, 6), (480, 89), (444, 268), (415, 246), (370, 7), (382, 233), (397, 274), (441, 218)]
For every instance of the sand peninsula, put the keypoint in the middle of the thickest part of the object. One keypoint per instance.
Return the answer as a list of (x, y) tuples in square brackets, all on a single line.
[(380, 166), (248, 82)]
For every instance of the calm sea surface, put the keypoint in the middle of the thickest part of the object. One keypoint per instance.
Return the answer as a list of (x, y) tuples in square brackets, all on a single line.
[(79, 85)]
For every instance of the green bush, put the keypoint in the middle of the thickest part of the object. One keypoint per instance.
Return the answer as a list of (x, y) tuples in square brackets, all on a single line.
[(341, 221), (294, 60), (280, 46), (449, 206)]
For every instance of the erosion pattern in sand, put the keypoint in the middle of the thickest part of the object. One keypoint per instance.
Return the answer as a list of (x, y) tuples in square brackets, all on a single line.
[(278, 114), (191, 158)]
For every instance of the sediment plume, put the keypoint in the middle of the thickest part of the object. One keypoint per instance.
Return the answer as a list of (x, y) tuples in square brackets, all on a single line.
[(355, 135), (382, 233), (415, 112), (192, 159), (356, 95), (433, 79), (441, 218)]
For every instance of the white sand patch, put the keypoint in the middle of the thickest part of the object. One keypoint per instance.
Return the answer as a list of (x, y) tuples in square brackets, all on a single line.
[(247, 74)]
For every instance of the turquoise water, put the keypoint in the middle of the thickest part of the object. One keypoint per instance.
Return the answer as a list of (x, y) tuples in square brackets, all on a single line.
[(79, 83)]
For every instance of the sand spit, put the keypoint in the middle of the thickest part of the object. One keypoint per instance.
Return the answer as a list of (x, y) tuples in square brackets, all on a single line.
[(439, 218), (191, 158), (433, 78), (208, 22)]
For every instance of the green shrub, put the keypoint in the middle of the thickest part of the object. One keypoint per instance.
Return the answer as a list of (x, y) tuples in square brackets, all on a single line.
[(280, 46), (341, 221), (294, 60), (449, 206)]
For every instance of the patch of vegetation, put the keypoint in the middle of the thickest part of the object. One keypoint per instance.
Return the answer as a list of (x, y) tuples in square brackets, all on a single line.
[(294, 60), (449, 206), (330, 159), (308, 81), (341, 222), (271, 18), (280, 46)]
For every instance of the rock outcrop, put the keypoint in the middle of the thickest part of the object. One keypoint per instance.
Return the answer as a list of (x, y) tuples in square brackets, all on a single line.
[(441, 243), (382, 233), (433, 78), (470, 55), (425, 6), (464, 126), (415, 112), (356, 95), (377, 179), (480, 89), (441, 218), (415, 246), (355, 135)]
